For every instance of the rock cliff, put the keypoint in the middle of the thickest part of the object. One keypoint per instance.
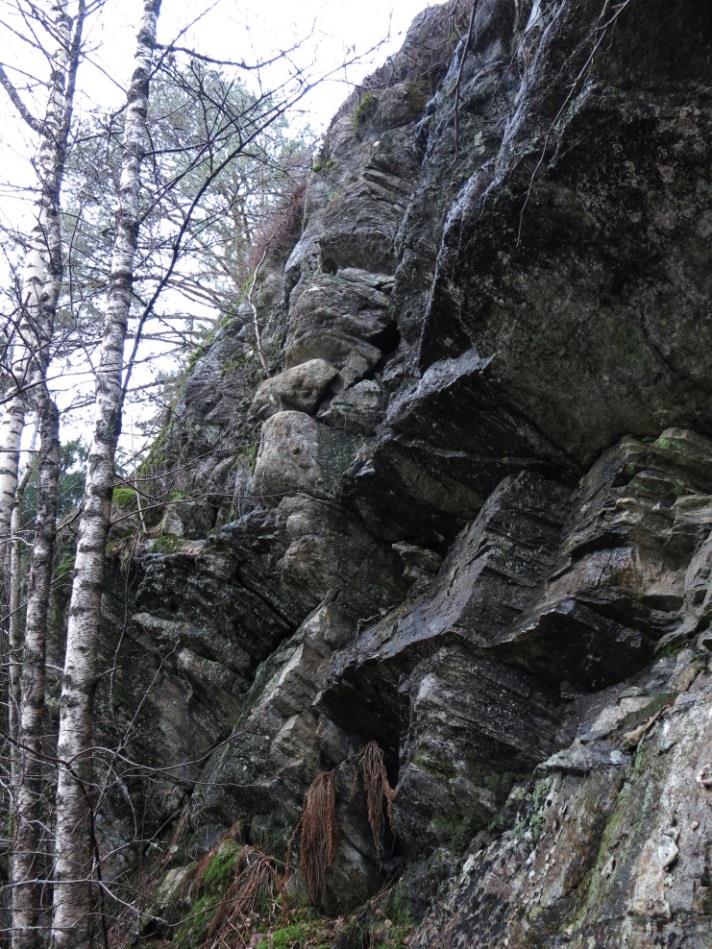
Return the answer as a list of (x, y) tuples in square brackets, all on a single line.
[(468, 515)]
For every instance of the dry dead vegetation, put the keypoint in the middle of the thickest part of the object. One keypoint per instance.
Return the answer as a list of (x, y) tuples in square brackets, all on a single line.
[(378, 789), (257, 883), (253, 898), (318, 834)]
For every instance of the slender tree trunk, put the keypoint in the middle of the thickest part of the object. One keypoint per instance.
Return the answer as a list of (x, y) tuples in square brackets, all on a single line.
[(16, 623), (42, 282), (73, 846), (11, 426), (29, 858), (42, 276)]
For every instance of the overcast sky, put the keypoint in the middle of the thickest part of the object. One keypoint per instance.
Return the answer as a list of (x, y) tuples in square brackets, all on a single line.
[(329, 32), (332, 30)]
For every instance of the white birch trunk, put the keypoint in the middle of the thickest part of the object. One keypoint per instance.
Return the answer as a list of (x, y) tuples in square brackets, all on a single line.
[(29, 857), (11, 426), (41, 288), (72, 924), (16, 634), (15, 622), (42, 276)]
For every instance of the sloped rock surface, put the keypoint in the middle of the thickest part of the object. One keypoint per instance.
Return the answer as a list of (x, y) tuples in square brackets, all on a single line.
[(607, 179), (611, 843), (469, 515)]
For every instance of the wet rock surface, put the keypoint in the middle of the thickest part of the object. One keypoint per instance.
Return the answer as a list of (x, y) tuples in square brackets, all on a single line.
[(468, 515)]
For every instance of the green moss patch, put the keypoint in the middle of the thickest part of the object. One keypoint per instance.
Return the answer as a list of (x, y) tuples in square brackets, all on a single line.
[(165, 544), (364, 110), (194, 926), (218, 873), (289, 937), (212, 881), (125, 499)]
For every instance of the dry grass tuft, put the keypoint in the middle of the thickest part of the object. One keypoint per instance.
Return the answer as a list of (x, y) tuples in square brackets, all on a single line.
[(319, 831), (378, 789), (256, 884), (281, 228)]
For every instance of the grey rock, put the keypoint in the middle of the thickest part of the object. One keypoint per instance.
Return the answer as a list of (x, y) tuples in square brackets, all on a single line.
[(624, 563), (419, 565), (300, 388), (355, 368), (338, 314), (358, 409), (288, 456), (299, 455)]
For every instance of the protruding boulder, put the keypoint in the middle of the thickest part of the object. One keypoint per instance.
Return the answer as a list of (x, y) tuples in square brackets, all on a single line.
[(287, 461), (300, 388)]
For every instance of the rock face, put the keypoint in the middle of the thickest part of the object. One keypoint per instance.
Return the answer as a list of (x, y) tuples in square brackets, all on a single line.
[(469, 515)]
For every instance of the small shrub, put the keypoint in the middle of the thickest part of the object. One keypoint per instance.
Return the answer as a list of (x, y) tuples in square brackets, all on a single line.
[(281, 229), (320, 166), (364, 110)]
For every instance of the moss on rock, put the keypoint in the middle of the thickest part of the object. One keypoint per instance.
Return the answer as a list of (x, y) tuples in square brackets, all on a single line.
[(211, 886)]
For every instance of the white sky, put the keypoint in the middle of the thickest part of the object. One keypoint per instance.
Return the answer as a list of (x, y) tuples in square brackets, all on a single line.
[(250, 30), (229, 29)]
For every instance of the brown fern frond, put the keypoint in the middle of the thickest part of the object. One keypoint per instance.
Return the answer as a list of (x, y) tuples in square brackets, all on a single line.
[(377, 788), (317, 844)]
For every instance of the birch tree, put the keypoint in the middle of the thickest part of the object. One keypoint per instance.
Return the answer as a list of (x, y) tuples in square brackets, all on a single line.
[(30, 331), (186, 229), (28, 863), (71, 925), (30, 338)]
